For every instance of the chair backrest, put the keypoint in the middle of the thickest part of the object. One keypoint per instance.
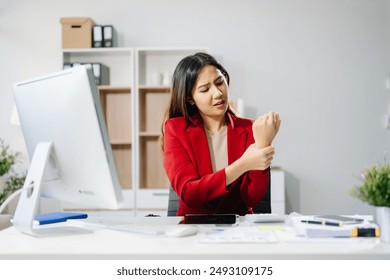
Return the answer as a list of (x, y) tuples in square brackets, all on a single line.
[(263, 207), (265, 204), (173, 202)]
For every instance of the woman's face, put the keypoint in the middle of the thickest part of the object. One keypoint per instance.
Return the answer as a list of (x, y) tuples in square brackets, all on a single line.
[(210, 93)]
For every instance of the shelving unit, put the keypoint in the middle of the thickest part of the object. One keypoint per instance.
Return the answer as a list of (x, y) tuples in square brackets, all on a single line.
[(134, 103), (153, 72), (117, 101)]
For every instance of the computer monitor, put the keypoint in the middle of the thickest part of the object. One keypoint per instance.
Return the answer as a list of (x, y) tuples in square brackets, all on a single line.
[(67, 141)]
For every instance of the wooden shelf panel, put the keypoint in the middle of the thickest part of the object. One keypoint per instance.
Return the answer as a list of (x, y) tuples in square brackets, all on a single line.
[(152, 107), (121, 143), (122, 156), (152, 173), (156, 89), (113, 89), (116, 103), (149, 133)]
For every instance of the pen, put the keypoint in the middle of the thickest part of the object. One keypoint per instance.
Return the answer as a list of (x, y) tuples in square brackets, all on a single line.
[(324, 223)]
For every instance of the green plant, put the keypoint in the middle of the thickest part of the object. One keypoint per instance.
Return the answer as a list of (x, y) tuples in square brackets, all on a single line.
[(13, 183), (13, 180), (375, 189), (7, 158)]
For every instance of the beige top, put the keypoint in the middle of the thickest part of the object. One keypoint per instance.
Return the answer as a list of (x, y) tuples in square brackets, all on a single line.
[(218, 148)]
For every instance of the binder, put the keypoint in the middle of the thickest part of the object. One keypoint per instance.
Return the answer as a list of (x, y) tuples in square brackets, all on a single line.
[(97, 33), (67, 65), (108, 35), (101, 73)]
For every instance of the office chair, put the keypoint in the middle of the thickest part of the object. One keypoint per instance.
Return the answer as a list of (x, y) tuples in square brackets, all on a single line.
[(173, 202), (265, 204), (263, 207)]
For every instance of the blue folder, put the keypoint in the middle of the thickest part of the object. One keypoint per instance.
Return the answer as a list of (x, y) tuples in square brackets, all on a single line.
[(58, 217)]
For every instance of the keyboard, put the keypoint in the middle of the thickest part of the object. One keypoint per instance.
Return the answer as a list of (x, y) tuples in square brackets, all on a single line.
[(145, 229), (266, 218)]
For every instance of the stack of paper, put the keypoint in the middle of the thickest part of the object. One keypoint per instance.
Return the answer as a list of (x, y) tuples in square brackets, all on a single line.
[(302, 226)]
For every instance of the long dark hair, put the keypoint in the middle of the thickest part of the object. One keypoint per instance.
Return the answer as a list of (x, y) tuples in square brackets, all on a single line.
[(183, 82), (184, 79)]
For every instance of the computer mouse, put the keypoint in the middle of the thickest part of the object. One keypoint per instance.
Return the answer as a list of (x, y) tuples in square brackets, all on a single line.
[(181, 231)]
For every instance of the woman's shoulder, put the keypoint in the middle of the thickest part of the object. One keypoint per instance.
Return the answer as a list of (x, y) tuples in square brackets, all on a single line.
[(177, 121), (195, 120), (240, 121)]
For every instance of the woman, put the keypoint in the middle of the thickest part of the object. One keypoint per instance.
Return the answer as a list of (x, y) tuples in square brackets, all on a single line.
[(214, 161)]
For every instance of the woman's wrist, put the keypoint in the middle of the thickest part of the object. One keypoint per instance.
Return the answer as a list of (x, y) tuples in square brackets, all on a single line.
[(235, 170), (262, 144)]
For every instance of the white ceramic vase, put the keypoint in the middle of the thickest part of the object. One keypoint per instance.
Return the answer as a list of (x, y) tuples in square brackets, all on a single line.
[(383, 221)]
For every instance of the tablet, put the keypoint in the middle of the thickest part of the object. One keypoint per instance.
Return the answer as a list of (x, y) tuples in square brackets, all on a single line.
[(217, 219)]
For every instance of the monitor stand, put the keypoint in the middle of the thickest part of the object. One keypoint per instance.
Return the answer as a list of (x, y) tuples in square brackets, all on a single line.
[(28, 203)]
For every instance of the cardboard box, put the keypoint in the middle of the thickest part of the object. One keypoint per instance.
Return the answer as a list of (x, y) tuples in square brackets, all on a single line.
[(76, 32)]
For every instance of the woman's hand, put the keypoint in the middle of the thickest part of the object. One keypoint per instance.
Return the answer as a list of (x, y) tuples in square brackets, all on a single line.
[(252, 159), (265, 129), (258, 159)]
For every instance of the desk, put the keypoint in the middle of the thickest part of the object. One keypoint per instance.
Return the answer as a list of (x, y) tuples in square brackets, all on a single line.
[(107, 244)]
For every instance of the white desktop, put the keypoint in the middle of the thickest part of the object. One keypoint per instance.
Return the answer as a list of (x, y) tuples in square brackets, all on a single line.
[(66, 137), (67, 141), (110, 244)]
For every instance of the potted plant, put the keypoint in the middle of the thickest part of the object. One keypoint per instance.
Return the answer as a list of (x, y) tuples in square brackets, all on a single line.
[(10, 180), (375, 190)]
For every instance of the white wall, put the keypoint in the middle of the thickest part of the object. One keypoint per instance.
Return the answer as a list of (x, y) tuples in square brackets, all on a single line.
[(321, 64)]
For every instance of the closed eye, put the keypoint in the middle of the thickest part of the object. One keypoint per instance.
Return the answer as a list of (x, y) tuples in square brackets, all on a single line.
[(219, 81)]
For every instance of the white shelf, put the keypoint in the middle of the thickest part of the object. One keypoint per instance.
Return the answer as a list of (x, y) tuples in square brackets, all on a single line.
[(104, 51)]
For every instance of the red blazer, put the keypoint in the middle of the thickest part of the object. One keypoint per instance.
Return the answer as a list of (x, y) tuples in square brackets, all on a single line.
[(188, 165)]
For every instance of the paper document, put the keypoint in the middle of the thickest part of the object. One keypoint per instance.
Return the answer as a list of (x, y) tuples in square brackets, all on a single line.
[(240, 235), (307, 226)]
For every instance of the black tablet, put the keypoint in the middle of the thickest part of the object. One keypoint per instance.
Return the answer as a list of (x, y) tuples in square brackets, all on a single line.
[(217, 219)]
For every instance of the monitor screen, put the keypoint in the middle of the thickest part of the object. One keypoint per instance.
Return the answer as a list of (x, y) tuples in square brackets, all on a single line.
[(63, 111)]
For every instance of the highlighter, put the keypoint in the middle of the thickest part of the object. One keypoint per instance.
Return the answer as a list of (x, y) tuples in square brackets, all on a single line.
[(365, 232)]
